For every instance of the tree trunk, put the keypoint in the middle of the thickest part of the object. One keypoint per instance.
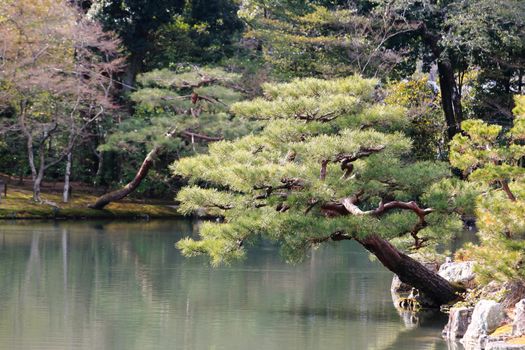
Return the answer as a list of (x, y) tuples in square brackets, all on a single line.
[(36, 188), (520, 81), (410, 271), (37, 181), (104, 200), (133, 67), (100, 167), (67, 176), (31, 158), (450, 97)]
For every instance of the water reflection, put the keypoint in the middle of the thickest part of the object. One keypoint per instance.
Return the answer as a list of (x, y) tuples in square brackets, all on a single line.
[(118, 285)]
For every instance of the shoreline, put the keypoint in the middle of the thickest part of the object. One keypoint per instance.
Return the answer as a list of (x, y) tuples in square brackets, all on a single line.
[(19, 206)]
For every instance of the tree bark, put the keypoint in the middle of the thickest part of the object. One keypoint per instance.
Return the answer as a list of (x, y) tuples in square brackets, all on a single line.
[(100, 167), (67, 176), (37, 181), (450, 97), (410, 271), (104, 200), (133, 67)]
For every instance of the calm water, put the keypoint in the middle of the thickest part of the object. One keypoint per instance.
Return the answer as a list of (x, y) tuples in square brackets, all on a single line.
[(118, 285)]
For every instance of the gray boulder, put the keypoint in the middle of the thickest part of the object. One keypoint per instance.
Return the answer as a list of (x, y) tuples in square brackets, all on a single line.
[(398, 287), (459, 273), (487, 316), (458, 322), (518, 325)]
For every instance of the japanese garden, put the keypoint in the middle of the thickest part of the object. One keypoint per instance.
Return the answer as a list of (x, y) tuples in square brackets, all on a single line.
[(266, 174)]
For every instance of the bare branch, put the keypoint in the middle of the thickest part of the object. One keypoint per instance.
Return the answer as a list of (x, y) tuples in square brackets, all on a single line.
[(323, 118), (201, 136), (324, 163), (506, 188), (336, 236), (350, 205)]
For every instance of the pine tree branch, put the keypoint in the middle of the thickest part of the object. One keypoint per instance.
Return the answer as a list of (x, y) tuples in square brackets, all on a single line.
[(336, 236), (506, 188), (324, 163), (350, 204), (201, 136), (323, 118), (346, 160), (311, 204), (220, 206)]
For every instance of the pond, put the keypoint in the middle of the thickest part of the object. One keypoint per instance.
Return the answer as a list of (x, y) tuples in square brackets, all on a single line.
[(123, 285)]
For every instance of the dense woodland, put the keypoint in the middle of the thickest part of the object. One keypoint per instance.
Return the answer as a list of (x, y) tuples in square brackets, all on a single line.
[(389, 122)]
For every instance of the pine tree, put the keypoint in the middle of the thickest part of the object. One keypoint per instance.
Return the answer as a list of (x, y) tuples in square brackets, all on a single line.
[(316, 38), (331, 164), (177, 113), (493, 160)]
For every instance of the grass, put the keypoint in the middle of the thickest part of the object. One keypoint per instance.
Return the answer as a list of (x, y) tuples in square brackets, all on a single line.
[(517, 341), (506, 329), (19, 205)]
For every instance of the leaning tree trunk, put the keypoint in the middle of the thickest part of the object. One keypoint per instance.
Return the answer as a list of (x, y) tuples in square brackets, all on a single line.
[(410, 271), (104, 200)]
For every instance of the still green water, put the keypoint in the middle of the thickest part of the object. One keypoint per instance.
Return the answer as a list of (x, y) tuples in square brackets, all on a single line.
[(115, 285)]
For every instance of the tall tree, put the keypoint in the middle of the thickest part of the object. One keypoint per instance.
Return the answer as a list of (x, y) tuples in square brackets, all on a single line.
[(311, 38), (460, 36), (492, 159), (330, 165), (57, 69), (135, 21), (160, 34), (385, 38)]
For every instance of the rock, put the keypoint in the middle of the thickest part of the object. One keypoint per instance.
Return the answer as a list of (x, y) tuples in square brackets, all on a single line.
[(501, 345), (458, 321), (401, 290), (518, 325), (486, 317), (459, 273), (399, 287)]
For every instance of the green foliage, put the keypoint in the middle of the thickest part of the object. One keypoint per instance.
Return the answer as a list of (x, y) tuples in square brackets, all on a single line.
[(192, 103), (273, 184), (492, 159), (489, 36), (167, 32), (204, 32), (316, 38), (427, 127)]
